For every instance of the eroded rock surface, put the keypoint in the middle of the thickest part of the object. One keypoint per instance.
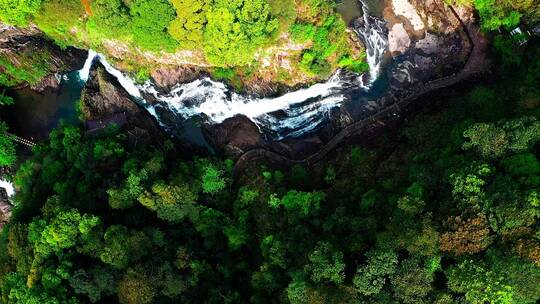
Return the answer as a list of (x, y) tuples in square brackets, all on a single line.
[(26, 47), (5, 208), (398, 39), (167, 77), (103, 97), (428, 39), (430, 46), (234, 136)]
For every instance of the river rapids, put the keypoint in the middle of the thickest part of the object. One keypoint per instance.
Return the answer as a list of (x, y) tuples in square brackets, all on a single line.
[(290, 115)]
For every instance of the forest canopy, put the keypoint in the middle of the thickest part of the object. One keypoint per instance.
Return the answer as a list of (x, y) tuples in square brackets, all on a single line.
[(444, 210), (215, 33)]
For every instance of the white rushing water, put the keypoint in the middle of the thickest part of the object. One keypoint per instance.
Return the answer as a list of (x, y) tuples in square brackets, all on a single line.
[(289, 115), (10, 189), (375, 38)]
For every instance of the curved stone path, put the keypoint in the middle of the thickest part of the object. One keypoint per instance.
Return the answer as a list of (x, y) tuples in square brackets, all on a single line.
[(476, 63)]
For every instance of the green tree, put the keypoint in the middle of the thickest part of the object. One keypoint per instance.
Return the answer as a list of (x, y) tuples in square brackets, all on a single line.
[(188, 27), (5, 100), (479, 283), (496, 139), (370, 278), (236, 29), (212, 179), (297, 292), (17, 12), (123, 247), (326, 264), (64, 231), (110, 17), (57, 18), (497, 13), (7, 147), (412, 202), (304, 203), (94, 283), (135, 287), (151, 19), (412, 282), (172, 203)]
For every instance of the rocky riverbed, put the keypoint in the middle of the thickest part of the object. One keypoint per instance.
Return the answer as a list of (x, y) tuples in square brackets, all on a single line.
[(427, 41)]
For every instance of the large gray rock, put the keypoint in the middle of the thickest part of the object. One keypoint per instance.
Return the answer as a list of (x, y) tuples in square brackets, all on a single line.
[(234, 136), (5, 208), (103, 98), (536, 31)]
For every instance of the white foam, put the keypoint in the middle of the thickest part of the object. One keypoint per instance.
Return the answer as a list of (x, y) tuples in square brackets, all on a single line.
[(216, 101), (299, 111), (376, 42), (85, 71), (10, 189)]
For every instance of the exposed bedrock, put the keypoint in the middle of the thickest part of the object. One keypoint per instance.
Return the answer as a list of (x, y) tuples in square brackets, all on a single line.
[(104, 100), (28, 49)]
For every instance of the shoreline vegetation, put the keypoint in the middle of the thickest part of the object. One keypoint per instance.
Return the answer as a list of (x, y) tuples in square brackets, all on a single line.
[(280, 42)]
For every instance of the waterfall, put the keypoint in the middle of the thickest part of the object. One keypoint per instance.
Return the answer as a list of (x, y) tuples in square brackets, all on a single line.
[(85, 71), (290, 115), (10, 189), (374, 34), (300, 111), (127, 83), (303, 109)]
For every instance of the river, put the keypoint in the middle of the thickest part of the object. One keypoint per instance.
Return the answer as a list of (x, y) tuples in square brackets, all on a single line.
[(35, 114), (290, 115), (352, 9), (204, 100)]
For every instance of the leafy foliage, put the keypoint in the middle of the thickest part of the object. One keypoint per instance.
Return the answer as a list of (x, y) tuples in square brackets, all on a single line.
[(7, 147), (188, 27), (150, 21), (17, 12), (236, 29)]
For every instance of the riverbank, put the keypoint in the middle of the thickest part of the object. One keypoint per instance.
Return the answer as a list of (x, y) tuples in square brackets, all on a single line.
[(262, 57), (302, 121), (477, 63)]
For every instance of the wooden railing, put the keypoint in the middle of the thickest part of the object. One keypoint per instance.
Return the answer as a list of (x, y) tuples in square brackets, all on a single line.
[(23, 141)]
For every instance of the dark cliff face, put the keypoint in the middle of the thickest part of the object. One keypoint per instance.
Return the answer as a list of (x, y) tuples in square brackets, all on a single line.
[(104, 98), (234, 136), (35, 57), (431, 46)]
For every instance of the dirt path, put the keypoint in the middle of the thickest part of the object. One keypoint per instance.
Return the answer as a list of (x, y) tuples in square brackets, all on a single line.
[(476, 63)]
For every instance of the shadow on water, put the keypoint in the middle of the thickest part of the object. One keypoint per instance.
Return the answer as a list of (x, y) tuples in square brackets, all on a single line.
[(352, 9), (349, 10), (35, 114)]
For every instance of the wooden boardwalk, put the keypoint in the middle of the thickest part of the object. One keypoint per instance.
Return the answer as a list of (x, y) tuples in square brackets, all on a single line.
[(23, 141)]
